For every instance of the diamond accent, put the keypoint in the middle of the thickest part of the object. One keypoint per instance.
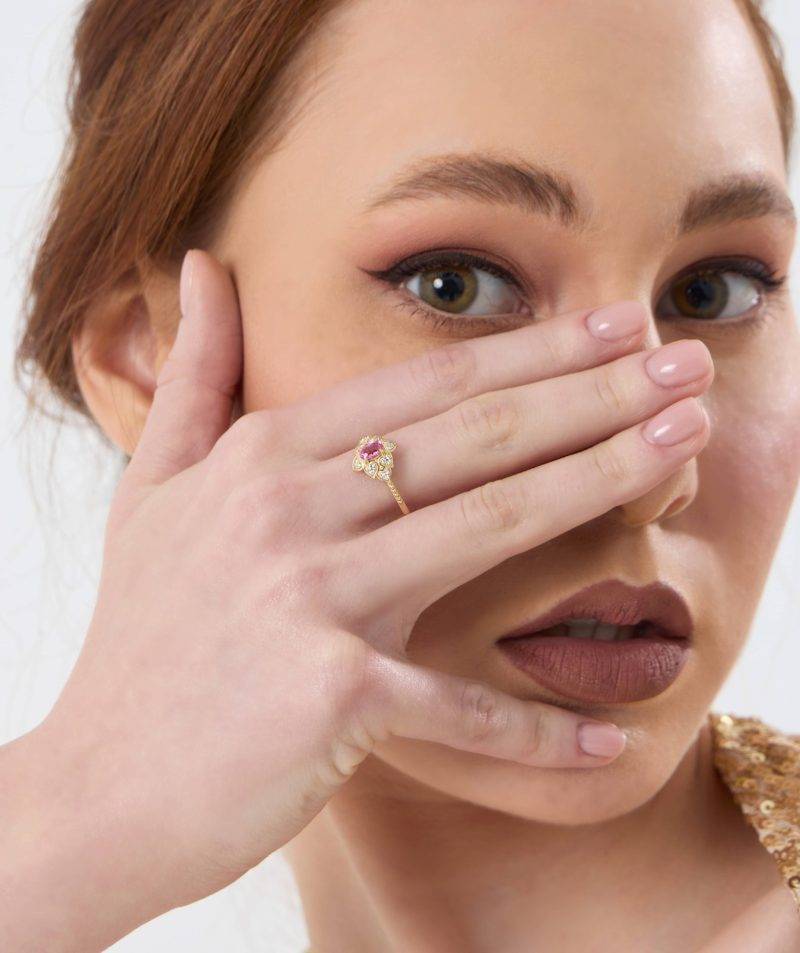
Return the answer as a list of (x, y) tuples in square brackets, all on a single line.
[(373, 455)]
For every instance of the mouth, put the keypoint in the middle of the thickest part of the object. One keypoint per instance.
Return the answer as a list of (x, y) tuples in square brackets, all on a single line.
[(610, 642)]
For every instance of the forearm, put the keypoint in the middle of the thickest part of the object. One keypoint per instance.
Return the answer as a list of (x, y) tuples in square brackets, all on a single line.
[(70, 879)]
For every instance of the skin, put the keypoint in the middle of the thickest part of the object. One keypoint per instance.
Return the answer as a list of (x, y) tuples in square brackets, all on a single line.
[(678, 95)]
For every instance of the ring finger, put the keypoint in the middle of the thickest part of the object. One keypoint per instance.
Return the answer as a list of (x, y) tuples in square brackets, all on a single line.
[(322, 425), (494, 434)]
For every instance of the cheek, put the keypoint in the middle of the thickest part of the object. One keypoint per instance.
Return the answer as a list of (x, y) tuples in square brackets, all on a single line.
[(303, 340), (306, 330), (755, 447), (748, 472)]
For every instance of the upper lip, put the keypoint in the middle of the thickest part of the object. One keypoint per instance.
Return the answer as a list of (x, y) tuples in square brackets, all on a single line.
[(617, 602)]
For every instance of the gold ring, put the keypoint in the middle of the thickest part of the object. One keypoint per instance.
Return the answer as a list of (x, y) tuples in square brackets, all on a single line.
[(373, 456)]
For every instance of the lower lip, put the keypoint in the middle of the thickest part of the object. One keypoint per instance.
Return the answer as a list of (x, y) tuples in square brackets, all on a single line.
[(592, 670)]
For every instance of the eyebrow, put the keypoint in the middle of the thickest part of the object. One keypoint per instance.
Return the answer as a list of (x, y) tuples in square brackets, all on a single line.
[(534, 188)]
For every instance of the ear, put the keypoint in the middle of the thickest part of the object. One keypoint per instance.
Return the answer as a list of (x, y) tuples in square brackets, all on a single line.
[(119, 347)]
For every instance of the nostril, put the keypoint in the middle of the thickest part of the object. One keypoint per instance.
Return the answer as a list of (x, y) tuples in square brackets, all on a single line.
[(676, 505)]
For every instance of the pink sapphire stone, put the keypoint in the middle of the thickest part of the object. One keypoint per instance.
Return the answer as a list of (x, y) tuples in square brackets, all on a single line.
[(371, 450)]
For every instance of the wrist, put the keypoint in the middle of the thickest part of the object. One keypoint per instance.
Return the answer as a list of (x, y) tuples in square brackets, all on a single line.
[(75, 876)]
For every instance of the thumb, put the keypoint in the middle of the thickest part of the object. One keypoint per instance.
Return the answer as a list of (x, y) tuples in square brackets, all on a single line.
[(416, 702), (196, 385)]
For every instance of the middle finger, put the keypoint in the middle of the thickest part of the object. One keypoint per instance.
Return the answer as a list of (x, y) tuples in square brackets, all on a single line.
[(494, 434), (327, 422)]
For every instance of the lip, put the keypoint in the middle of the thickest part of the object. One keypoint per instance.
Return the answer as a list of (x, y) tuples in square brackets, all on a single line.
[(591, 670)]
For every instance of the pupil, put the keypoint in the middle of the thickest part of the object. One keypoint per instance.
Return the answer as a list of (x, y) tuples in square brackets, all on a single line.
[(700, 293), (449, 287)]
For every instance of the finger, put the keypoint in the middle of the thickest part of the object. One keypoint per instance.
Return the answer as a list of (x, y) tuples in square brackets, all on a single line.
[(500, 432), (333, 420), (197, 383), (437, 548), (412, 701)]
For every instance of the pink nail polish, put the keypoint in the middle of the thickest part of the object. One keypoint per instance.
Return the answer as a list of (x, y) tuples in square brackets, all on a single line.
[(680, 362), (602, 739), (615, 321), (678, 422)]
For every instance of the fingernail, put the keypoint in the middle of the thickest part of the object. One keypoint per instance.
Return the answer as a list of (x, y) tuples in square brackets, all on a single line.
[(679, 363), (619, 320), (676, 423), (600, 738), (187, 269)]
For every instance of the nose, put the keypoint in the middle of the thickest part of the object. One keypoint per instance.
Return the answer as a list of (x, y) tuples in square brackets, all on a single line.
[(673, 494)]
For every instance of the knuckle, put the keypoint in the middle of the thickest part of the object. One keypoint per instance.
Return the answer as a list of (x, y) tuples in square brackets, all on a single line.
[(484, 715), (345, 682), (347, 673), (537, 737), (551, 338), (248, 437), (493, 507), (611, 391), (610, 463), (313, 576), (354, 680), (272, 500), (444, 370), (305, 588), (490, 421)]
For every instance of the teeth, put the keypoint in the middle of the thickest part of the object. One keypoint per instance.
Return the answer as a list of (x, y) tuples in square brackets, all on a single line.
[(581, 628), (592, 629), (606, 632)]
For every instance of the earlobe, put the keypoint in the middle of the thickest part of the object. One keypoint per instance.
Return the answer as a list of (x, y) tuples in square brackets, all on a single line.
[(117, 352)]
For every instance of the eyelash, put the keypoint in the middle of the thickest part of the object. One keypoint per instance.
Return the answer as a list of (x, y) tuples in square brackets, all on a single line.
[(749, 268)]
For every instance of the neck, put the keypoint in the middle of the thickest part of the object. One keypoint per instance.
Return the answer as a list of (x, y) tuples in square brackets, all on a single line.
[(383, 867)]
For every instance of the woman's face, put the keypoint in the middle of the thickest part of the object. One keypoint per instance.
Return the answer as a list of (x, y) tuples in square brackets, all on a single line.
[(639, 104)]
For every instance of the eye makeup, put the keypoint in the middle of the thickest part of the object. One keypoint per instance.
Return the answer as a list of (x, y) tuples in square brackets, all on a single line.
[(765, 278)]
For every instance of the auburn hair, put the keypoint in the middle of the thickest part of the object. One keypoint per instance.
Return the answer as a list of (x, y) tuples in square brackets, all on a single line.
[(168, 100)]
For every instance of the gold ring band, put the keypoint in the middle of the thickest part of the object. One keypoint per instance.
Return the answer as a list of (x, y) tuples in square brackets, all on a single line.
[(373, 456)]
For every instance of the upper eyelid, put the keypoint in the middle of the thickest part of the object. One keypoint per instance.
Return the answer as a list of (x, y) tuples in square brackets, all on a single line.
[(724, 263), (415, 263)]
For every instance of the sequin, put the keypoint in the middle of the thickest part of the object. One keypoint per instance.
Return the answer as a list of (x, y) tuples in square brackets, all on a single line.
[(761, 767)]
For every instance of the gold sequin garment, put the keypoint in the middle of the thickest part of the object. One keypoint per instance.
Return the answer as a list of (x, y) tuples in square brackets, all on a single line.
[(761, 766)]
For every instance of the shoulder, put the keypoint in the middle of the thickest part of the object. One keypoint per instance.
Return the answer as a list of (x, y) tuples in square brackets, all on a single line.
[(747, 744), (760, 764)]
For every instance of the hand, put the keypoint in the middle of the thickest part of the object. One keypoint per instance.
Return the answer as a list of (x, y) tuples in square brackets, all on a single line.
[(247, 649)]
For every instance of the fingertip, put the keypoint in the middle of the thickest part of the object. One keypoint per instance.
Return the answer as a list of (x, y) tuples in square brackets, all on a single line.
[(601, 739)]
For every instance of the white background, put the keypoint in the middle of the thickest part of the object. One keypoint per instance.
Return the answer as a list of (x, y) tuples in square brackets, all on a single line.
[(55, 483)]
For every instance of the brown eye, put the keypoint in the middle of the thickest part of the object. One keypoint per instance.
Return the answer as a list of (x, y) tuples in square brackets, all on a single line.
[(712, 295), (462, 289)]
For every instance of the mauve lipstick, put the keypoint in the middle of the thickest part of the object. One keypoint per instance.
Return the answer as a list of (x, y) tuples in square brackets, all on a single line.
[(591, 670)]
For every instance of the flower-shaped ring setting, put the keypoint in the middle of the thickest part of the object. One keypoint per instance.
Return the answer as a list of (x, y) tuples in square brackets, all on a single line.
[(373, 456)]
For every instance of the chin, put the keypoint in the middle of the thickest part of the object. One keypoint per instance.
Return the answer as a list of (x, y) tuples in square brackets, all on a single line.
[(569, 796)]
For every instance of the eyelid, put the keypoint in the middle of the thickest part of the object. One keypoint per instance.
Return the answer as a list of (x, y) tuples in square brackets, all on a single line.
[(417, 262), (413, 264), (743, 265), (437, 258), (468, 325)]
